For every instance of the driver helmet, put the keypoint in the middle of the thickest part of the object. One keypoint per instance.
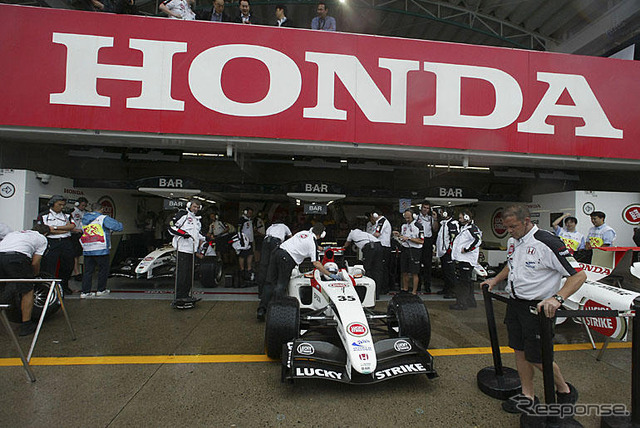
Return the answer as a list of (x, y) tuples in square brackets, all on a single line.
[(331, 267)]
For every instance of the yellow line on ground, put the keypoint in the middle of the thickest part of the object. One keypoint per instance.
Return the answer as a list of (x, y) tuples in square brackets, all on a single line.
[(208, 359)]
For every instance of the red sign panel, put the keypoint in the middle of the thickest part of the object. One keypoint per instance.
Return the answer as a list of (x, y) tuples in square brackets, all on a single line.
[(81, 70), (631, 214)]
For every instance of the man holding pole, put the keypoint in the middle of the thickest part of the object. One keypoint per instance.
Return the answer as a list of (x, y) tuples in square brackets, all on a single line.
[(536, 262)]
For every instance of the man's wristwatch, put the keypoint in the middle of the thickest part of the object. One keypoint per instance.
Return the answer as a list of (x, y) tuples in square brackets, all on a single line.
[(559, 298), (55, 227)]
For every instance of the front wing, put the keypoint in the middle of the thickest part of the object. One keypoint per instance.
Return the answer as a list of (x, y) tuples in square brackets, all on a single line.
[(309, 359)]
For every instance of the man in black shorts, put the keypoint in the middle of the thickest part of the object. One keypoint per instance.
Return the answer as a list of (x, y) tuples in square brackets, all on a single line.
[(20, 256), (536, 262), (412, 237)]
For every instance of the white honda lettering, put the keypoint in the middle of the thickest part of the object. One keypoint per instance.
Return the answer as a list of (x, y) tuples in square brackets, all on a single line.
[(205, 80), (586, 107), (449, 96), (84, 70), (361, 86)]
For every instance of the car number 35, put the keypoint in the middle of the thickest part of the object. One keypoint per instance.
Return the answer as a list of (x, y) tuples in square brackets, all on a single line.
[(346, 298)]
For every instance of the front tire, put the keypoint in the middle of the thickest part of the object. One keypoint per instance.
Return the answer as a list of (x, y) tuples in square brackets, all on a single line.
[(408, 317), (282, 325)]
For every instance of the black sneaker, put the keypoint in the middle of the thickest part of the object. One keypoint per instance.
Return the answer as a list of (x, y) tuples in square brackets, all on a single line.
[(262, 312), (570, 397), (458, 307), (191, 299), (518, 404), (180, 304), (27, 328)]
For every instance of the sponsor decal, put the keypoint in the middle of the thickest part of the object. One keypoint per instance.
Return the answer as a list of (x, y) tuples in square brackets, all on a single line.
[(7, 189), (148, 259), (289, 352), (595, 269), (612, 327), (497, 226), (357, 329), (402, 346), (306, 349), (303, 236), (363, 357), (338, 285), (311, 372), (108, 205), (530, 265), (316, 297), (531, 250), (631, 214), (400, 370), (588, 208)]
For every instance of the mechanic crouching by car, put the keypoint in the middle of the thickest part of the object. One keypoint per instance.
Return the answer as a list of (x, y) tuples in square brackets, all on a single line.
[(20, 256), (371, 254), (291, 253), (185, 228), (536, 262)]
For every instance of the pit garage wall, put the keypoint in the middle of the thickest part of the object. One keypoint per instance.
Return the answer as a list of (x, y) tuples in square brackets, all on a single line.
[(577, 203), (20, 210)]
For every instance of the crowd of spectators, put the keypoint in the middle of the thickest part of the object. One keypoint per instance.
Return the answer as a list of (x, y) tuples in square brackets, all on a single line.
[(188, 10)]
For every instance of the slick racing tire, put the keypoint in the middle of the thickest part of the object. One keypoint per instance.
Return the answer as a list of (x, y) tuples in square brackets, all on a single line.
[(40, 293), (282, 325), (408, 317), (211, 274)]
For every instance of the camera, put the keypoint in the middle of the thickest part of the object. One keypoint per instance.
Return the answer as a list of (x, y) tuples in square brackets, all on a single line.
[(44, 178)]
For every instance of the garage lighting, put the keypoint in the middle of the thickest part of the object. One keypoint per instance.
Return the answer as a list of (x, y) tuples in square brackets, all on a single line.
[(473, 168), (204, 155), (343, 161)]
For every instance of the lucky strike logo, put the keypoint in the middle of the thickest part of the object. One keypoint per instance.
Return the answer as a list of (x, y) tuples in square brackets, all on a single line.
[(306, 349), (357, 329), (497, 226), (631, 214)]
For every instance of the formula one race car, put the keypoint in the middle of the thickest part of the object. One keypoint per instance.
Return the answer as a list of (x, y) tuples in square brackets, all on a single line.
[(161, 263), (327, 329)]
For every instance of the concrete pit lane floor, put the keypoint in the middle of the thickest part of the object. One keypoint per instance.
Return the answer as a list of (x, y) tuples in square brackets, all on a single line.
[(137, 362)]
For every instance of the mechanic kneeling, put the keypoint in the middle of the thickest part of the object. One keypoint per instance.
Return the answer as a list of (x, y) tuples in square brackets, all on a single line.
[(291, 253)]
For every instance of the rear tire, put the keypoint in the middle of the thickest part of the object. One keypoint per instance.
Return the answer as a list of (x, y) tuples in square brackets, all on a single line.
[(40, 292), (282, 325), (211, 274), (408, 317)]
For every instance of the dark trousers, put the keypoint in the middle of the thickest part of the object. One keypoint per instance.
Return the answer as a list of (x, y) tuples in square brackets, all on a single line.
[(372, 255), (184, 276), (278, 276), (269, 244), (14, 266), (426, 261), (62, 250), (464, 285), (386, 277), (448, 272), (90, 265)]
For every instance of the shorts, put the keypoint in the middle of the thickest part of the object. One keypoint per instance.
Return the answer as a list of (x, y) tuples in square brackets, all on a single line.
[(77, 246), (246, 253), (523, 329), (16, 266), (410, 260)]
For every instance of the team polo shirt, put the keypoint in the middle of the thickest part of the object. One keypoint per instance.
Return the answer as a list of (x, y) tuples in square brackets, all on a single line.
[(427, 224), (601, 235), (57, 219), (247, 227), (77, 215), (448, 231), (537, 262), (300, 246), (27, 242), (573, 240), (412, 230), (361, 238), (469, 239), (278, 230), (383, 227)]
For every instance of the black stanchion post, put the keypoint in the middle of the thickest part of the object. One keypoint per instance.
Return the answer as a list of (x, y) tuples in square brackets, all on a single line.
[(546, 345), (497, 381), (633, 420)]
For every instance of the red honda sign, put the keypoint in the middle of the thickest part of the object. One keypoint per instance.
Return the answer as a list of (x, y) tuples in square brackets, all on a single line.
[(81, 70)]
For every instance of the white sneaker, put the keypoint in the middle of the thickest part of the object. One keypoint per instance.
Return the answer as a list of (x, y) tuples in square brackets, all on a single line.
[(86, 295), (103, 293)]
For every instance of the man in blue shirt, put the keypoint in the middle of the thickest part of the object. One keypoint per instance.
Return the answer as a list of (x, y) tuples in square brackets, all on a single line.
[(96, 244), (323, 21)]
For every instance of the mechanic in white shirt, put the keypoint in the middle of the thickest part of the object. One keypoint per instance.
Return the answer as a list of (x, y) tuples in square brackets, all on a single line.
[(291, 253), (185, 228), (536, 262), (411, 235), (274, 235), (20, 256), (60, 245), (371, 254), (382, 231), (245, 256), (449, 229), (464, 252), (429, 220), (76, 216)]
